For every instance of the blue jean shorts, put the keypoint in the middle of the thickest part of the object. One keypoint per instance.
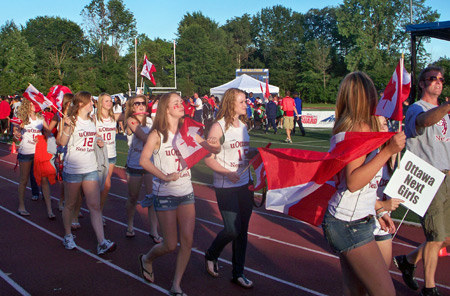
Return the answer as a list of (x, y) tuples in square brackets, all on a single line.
[(78, 178), (343, 236), (25, 157), (169, 203), (112, 160)]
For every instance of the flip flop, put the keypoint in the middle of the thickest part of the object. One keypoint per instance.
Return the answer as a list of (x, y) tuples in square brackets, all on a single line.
[(172, 293), (23, 213), (130, 233), (156, 238), (214, 272), (51, 216), (145, 271)]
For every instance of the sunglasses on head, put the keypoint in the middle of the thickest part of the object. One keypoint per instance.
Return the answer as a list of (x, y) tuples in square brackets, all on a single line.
[(434, 78), (139, 103)]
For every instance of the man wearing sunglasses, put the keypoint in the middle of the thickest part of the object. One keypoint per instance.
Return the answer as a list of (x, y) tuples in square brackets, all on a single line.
[(428, 136)]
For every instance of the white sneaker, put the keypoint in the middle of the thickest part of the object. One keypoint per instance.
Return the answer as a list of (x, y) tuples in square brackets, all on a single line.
[(105, 246), (68, 242)]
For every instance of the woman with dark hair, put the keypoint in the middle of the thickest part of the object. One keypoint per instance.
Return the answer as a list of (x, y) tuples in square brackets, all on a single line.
[(80, 169)]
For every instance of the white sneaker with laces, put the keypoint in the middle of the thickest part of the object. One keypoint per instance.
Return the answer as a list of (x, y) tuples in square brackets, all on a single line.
[(105, 246), (68, 242)]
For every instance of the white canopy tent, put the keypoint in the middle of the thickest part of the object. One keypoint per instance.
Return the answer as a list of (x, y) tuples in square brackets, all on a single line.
[(245, 83)]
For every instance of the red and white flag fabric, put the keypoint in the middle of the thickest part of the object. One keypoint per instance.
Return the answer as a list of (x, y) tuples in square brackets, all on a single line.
[(260, 172), (147, 70), (39, 101), (56, 94), (299, 182), (267, 94), (395, 93), (191, 151), (16, 121)]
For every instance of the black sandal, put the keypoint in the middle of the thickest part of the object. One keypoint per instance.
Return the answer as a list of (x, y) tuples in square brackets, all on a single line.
[(156, 238), (171, 293), (215, 271)]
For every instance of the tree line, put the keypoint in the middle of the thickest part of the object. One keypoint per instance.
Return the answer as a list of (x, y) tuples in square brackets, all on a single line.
[(308, 52)]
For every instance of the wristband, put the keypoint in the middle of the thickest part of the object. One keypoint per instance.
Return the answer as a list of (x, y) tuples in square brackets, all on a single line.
[(379, 209), (66, 133), (379, 215)]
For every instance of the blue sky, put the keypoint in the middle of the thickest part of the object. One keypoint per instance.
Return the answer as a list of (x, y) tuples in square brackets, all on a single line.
[(161, 18)]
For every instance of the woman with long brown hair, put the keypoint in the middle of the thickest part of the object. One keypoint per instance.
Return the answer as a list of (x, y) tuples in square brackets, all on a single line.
[(80, 169), (349, 221)]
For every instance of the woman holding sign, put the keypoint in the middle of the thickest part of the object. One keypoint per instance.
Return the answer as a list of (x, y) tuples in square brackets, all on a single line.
[(349, 221)]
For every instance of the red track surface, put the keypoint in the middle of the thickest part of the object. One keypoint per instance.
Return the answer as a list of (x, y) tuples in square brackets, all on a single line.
[(284, 256)]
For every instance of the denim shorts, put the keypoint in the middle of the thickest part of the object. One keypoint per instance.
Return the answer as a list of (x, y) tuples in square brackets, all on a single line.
[(136, 172), (343, 236), (380, 238), (25, 157), (112, 160), (169, 203), (78, 178), (147, 201)]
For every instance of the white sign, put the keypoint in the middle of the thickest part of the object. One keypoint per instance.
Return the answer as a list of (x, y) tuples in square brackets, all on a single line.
[(416, 182), (318, 118)]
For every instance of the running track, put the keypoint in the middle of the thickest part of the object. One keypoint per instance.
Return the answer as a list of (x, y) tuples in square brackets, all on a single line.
[(284, 256)]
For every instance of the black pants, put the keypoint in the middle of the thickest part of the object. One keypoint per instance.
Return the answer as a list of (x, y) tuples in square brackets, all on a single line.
[(298, 120), (236, 207)]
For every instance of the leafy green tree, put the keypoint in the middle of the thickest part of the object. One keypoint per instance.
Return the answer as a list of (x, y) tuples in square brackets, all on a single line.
[(277, 35), (97, 24), (122, 27), (240, 43), (17, 60), (56, 42)]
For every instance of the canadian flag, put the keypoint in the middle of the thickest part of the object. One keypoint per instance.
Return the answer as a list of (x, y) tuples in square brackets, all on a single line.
[(191, 151), (395, 93), (147, 70), (16, 121), (299, 182), (39, 101), (56, 94), (258, 166)]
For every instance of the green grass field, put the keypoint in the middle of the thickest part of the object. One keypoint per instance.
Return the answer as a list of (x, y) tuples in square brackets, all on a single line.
[(315, 139)]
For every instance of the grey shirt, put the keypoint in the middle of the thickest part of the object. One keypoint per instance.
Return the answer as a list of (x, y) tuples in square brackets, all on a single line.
[(432, 143)]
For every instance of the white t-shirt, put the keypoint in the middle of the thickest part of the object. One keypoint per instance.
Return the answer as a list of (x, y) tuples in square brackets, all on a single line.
[(349, 206), (80, 157), (107, 130), (232, 155), (136, 145), (117, 109), (168, 160), (29, 133), (198, 104)]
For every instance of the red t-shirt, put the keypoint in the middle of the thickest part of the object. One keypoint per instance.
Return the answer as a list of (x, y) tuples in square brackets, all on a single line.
[(288, 105)]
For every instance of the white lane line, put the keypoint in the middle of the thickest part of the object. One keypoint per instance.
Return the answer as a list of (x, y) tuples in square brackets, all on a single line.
[(13, 284), (86, 252)]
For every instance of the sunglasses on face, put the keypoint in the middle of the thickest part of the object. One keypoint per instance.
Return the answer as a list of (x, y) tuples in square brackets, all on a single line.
[(139, 103), (434, 78)]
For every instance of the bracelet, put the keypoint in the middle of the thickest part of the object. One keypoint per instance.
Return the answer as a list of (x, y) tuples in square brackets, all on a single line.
[(66, 133), (379, 209), (379, 215)]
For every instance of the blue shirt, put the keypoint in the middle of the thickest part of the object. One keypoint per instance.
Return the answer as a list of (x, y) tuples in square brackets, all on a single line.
[(298, 105)]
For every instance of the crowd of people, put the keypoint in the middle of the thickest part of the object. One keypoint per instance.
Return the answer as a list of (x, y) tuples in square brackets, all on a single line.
[(357, 224)]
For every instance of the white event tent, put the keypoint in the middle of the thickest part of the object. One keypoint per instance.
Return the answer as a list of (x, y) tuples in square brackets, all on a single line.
[(245, 83)]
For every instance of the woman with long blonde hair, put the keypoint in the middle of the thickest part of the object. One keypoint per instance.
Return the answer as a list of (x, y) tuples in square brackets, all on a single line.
[(231, 184), (32, 125), (137, 128), (349, 221), (80, 169), (173, 194)]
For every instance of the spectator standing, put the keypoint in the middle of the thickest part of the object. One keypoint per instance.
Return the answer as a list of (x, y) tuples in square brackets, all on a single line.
[(298, 119), (288, 106), (198, 104), (271, 112), (5, 110)]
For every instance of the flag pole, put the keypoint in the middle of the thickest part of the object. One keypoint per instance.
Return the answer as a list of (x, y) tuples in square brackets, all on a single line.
[(175, 64), (248, 166)]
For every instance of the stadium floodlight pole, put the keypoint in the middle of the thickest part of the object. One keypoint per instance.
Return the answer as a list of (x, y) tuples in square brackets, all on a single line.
[(175, 63), (135, 64)]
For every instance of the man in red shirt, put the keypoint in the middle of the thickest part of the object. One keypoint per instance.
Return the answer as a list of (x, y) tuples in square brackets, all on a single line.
[(288, 106), (5, 110)]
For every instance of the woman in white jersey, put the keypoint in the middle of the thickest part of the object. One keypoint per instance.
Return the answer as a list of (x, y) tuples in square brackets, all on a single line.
[(117, 109), (231, 184), (349, 221), (172, 189), (138, 125), (32, 126), (106, 121), (80, 169)]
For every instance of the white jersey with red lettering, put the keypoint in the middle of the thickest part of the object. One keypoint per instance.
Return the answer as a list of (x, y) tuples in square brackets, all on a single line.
[(29, 133), (232, 155), (136, 145), (106, 129), (168, 160), (80, 157)]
